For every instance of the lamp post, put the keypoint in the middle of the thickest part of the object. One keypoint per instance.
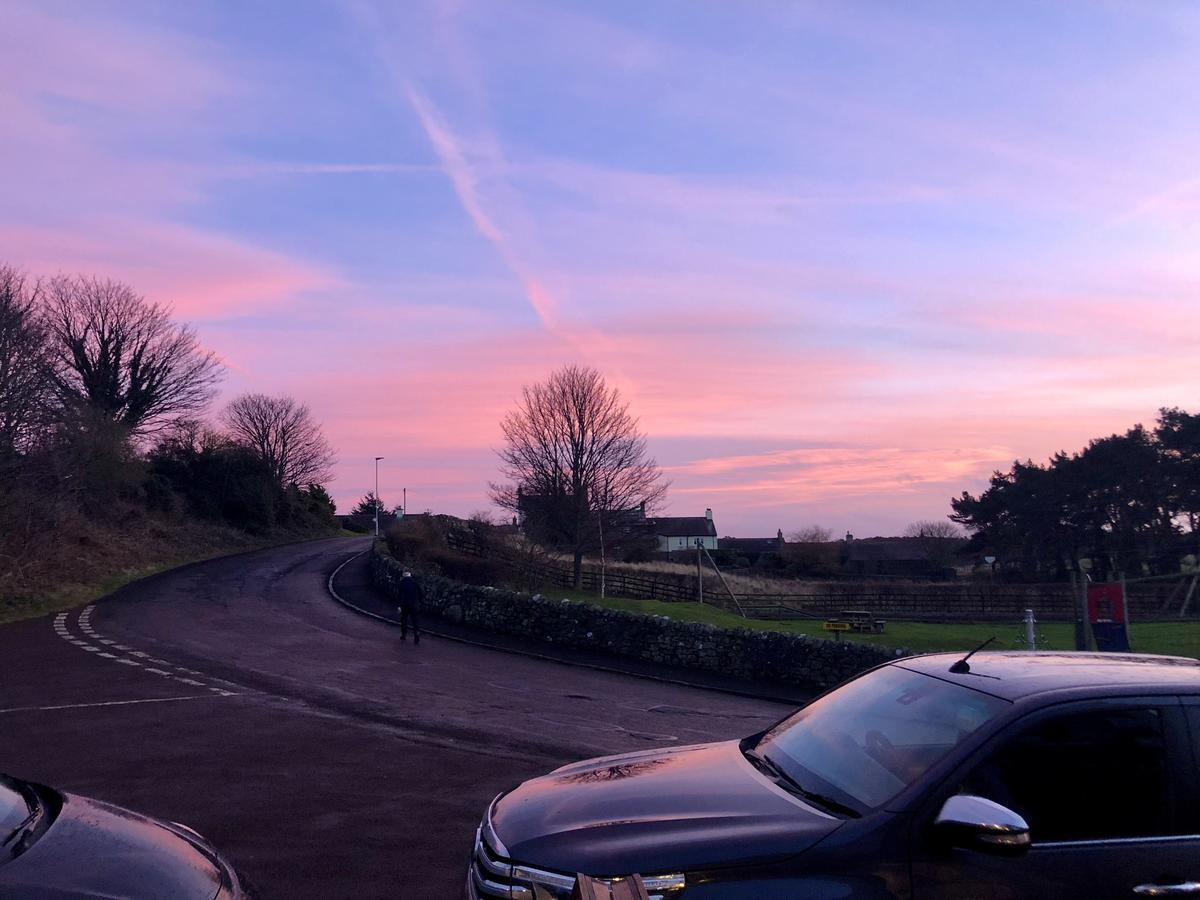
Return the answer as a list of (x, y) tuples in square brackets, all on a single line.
[(377, 459)]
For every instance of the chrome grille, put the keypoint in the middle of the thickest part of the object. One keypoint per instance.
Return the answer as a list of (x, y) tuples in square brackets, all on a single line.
[(492, 876)]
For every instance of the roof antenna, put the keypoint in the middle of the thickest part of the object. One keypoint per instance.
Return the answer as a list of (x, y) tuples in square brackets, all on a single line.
[(961, 667)]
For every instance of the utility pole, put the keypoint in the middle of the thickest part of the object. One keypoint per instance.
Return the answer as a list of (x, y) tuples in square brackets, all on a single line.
[(377, 459), (603, 558), (699, 569)]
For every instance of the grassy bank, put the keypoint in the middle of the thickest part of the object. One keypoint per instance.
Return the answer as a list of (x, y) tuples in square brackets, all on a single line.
[(1175, 638), (77, 570)]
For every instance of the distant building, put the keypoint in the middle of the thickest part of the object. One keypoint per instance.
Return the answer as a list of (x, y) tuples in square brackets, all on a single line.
[(899, 556), (753, 547), (676, 533)]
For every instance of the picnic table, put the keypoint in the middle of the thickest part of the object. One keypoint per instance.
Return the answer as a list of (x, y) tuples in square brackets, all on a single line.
[(862, 621)]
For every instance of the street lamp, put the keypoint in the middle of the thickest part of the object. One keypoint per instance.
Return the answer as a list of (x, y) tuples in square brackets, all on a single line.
[(377, 459)]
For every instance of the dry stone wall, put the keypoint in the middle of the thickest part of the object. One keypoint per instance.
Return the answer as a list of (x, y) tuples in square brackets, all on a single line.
[(751, 655)]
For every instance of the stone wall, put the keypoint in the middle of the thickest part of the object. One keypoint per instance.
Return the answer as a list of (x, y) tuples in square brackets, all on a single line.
[(752, 655)]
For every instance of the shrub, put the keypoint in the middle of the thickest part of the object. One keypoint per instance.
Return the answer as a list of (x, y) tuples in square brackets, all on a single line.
[(467, 569), (413, 540)]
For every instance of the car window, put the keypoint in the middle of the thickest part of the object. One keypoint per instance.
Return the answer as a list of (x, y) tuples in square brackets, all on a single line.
[(1189, 807), (871, 738), (1084, 776), (13, 807)]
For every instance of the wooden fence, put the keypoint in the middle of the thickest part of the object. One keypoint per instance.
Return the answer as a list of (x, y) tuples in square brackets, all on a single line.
[(956, 601)]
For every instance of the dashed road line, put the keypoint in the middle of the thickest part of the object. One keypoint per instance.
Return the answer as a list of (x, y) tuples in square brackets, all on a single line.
[(135, 658)]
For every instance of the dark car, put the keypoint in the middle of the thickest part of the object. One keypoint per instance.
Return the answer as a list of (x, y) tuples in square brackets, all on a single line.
[(1011, 775), (56, 845)]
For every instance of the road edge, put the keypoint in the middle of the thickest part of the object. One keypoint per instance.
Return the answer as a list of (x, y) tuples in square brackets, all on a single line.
[(533, 654)]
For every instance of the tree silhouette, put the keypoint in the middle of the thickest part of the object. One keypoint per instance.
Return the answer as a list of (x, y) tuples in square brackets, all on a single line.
[(577, 461)]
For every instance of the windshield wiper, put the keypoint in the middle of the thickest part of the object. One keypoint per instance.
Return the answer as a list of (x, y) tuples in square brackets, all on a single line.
[(768, 765), (27, 824)]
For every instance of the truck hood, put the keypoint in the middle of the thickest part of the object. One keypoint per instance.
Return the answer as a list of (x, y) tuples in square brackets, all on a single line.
[(94, 849), (659, 811)]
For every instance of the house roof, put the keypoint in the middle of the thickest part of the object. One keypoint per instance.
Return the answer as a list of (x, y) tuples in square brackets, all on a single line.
[(682, 526), (891, 549), (752, 545)]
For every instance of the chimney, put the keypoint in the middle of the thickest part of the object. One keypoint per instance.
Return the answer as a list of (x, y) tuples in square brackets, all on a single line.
[(708, 514), (849, 536), (779, 535), (643, 509)]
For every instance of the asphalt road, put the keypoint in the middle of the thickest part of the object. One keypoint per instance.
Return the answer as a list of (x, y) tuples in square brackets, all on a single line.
[(323, 756)]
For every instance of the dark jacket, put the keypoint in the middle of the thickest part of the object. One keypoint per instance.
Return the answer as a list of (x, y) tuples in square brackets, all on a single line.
[(410, 594)]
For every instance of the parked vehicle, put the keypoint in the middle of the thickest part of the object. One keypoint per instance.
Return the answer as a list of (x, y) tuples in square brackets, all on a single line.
[(56, 845), (1003, 775)]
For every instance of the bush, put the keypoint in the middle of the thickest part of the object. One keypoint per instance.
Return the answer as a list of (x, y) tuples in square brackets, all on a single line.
[(467, 569), (413, 540)]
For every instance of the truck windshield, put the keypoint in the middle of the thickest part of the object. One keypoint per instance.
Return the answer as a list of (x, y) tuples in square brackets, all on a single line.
[(870, 739)]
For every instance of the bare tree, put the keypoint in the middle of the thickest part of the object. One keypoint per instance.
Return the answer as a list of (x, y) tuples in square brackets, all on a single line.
[(810, 551), (285, 437), (121, 355), (811, 534), (576, 458), (938, 540), (25, 363)]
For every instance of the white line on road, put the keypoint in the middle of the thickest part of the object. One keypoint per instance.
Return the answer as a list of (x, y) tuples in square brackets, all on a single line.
[(135, 658), (17, 709)]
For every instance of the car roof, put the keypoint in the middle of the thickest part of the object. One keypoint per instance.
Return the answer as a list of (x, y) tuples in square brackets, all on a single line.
[(1014, 675)]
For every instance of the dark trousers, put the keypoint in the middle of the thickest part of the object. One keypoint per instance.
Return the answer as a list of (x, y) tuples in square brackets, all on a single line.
[(409, 617)]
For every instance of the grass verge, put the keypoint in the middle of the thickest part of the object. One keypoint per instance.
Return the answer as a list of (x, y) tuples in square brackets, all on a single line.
[(108, 571), (1174, 638)]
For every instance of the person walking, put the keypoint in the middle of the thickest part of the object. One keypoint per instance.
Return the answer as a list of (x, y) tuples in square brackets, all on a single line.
[(411, 598)]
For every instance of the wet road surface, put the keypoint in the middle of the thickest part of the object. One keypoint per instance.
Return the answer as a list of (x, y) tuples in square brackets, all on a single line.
[(321, 754)]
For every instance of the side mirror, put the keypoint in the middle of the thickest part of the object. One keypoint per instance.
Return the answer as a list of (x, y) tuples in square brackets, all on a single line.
[(976, 823)]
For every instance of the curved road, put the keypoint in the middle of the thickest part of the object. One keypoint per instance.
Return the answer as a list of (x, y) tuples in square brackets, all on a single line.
[(321, 754)]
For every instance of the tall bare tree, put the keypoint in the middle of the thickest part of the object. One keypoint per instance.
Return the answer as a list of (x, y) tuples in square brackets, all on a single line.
[(25, 367), (283, 434), (121, 355), (576, 457)]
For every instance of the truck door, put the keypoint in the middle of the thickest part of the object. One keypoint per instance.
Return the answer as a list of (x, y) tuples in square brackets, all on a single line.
[(1108, 789)]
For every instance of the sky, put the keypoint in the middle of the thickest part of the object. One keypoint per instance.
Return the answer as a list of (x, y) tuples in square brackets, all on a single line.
[(842, 259)]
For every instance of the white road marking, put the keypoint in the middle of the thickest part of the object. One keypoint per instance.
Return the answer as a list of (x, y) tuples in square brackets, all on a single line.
[(17, 709), (136, 658)]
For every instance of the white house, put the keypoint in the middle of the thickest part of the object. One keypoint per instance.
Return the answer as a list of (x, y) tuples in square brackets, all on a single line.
[(676, 533)]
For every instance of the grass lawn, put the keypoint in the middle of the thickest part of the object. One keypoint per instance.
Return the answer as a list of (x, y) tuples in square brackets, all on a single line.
[(1176, 638)]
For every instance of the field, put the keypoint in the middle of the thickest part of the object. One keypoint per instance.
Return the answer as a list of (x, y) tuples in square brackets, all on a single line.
[(1175, 638)]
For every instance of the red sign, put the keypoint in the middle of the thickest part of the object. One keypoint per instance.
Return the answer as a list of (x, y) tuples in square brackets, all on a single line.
[(1105, 603)]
